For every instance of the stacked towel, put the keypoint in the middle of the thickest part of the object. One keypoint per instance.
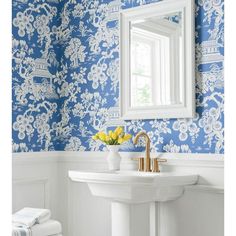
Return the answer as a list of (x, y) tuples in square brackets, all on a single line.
[(50, 227), (28, 217), (35, 222)]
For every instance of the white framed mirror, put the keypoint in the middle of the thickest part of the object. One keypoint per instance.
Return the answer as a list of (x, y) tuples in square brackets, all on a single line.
[(157, 55)]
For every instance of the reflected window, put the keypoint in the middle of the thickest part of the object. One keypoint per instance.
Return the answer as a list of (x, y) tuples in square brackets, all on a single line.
[(149, 67), (141, 82)]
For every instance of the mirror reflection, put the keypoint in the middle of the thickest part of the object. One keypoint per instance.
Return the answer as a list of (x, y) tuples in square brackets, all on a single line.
[(156, 56)]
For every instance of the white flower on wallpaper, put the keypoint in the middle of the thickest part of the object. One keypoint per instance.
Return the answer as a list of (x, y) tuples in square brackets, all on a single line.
[(97, 75), (173, 148), (158, 128), (113, 73), (75, 52), (41, 24), (186, 128), (23, 125), (66, 78), (74, 144), (20, 147), (208, 81), (24, 24), (92, 109), (212, 125)]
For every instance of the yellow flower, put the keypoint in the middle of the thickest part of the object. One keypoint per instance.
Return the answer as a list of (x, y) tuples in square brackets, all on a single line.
[(118, 130), (110, 133), (127, 137), (102, 136), (95, 137), (107, 138), (120, 140), (114, 136)]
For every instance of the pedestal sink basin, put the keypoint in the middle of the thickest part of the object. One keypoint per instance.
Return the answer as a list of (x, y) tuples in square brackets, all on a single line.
[(129, 191), (134, 186)]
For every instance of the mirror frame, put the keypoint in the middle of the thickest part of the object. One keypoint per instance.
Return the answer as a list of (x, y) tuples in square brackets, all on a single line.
[(183, 110)]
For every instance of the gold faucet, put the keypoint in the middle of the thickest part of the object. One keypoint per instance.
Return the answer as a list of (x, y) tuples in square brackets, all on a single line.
[(155, 163), (147, 156)]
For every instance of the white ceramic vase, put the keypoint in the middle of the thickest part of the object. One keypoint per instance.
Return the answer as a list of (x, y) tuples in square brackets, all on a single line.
[(113, 157)]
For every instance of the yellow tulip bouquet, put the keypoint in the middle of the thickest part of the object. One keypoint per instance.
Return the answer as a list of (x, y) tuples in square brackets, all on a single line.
[(116, 137)]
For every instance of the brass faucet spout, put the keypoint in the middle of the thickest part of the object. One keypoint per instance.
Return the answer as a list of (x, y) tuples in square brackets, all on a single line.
[(147, 156)]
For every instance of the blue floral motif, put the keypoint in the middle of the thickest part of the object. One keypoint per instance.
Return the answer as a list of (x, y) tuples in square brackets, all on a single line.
[(66, 78)]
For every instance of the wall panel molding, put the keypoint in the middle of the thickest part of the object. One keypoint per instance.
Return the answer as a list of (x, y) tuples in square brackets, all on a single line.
[(41, 187)]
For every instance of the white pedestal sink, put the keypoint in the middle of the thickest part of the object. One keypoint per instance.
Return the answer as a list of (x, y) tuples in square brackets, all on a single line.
[(129, 190)]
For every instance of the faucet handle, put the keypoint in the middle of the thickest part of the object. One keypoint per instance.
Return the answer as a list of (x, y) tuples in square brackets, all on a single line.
[(140, 163), (155, 166)]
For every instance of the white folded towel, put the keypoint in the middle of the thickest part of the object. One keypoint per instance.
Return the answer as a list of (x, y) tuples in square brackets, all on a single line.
[(31, 216), (51, 227)]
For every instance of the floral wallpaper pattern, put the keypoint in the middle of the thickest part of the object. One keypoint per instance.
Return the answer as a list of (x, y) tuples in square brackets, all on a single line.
[(66, 78)]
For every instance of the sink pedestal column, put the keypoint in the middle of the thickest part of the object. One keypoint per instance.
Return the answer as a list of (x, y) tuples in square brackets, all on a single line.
[(133, 219), (135, 196)]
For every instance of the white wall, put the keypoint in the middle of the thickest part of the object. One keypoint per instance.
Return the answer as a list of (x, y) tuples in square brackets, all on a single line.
[(41, 180)]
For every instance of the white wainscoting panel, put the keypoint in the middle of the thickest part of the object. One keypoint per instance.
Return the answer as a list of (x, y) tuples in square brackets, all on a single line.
[(41, 179), (33, 192), (194, 214), (35, 181)]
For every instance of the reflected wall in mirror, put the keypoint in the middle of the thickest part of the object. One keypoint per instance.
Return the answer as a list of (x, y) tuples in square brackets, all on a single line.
[(157, 61)]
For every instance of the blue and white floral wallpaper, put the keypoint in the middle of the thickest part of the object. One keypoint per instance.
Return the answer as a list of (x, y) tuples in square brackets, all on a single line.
[(66, 78)]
